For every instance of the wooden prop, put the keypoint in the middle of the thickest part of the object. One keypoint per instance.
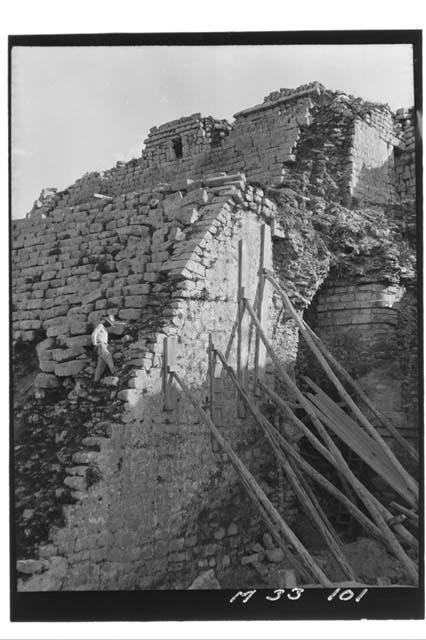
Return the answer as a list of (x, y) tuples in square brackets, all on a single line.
[(405, 535), (242, 327), (212, 390), (169, 361), (258, 496), (338, 385), (269, 431), (407, 512), (259, 354), (365, 399), (343, 468), (358, 440)]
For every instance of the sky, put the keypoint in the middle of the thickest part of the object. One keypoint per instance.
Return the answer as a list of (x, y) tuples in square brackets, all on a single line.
[(79, 109)]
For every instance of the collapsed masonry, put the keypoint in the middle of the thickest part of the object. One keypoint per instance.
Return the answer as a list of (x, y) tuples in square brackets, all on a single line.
[(119, 487)]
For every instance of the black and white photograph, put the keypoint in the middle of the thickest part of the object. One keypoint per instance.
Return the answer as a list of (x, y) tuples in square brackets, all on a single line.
[(216, 326)]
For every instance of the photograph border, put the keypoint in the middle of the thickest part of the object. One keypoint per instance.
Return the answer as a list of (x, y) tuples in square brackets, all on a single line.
[(379, 603)]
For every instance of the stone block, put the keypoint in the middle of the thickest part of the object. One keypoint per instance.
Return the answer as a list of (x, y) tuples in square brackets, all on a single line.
[(30, 567), (78, 341), (92, 296), (110, 381), (46, 381), (70, 368), (43, 348), (77, 483), (78, 328), (47, 366), (137, 302), (129, 314), (57, 330), (188, 215), (62, 355), (274, 555), (206, 580), (137, 289), (132, 396)]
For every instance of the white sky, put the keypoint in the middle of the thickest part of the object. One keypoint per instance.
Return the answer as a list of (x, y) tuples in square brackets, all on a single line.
[(78, 109)]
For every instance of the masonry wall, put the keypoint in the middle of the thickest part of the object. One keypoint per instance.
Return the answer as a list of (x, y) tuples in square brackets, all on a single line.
[(259, 143), (361, 324), (405, 165), (355, 142), (373, 170), (139, 497), (140, 477)]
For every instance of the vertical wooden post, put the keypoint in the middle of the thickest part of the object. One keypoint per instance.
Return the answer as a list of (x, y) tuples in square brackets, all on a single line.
[(242, 333), (211, 357), (213, 391), (258, 345), (169, 362)]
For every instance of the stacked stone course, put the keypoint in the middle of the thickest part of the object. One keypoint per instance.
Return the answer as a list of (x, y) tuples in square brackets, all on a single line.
[(147, 501), (405, 166)]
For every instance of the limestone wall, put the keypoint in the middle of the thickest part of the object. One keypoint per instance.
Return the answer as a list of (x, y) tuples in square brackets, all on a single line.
[(373, 170), (113, 490), (140, 477), (263, 141), (405, 166), (361, 324)]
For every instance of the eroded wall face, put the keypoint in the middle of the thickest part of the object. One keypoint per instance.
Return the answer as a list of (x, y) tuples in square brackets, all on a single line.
[(154, 501), (258, 144), (373, 170), (147, 499), (371, 329), (405, 160)]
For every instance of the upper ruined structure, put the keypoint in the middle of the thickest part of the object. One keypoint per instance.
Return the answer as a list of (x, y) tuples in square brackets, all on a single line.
[(115, 488)]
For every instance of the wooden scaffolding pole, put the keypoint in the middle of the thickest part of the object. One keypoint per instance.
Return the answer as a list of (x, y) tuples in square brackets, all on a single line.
[(410, 482), (323, 482), (287, 411), (363, 396), (357, 439), (257, 494), (242, 328), (258, 361), (322, 523), (376, 513)]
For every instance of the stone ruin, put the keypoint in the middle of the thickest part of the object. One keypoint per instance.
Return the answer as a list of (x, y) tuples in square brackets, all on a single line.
[(118, 489)]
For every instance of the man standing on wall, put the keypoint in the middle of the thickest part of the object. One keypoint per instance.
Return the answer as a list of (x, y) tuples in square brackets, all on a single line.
[(100, 341)]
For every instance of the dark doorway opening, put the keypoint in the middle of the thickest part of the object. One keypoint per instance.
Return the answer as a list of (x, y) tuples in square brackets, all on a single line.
[(177, 147)]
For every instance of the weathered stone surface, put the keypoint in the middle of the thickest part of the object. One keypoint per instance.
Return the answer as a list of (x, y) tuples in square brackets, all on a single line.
[(274, 555), (46, 381), (149, 500), (31, 566), (70, 368), (206, 580), (110, 381)]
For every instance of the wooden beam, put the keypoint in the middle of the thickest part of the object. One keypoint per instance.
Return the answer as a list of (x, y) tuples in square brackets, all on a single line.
[(259, 355), (364, 494), (363, 396), (169, 362), (358, 441), (258, 496), (322, 523), (411, 515), (212, 390), (340, 388), (242, 328), (369, 526)]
